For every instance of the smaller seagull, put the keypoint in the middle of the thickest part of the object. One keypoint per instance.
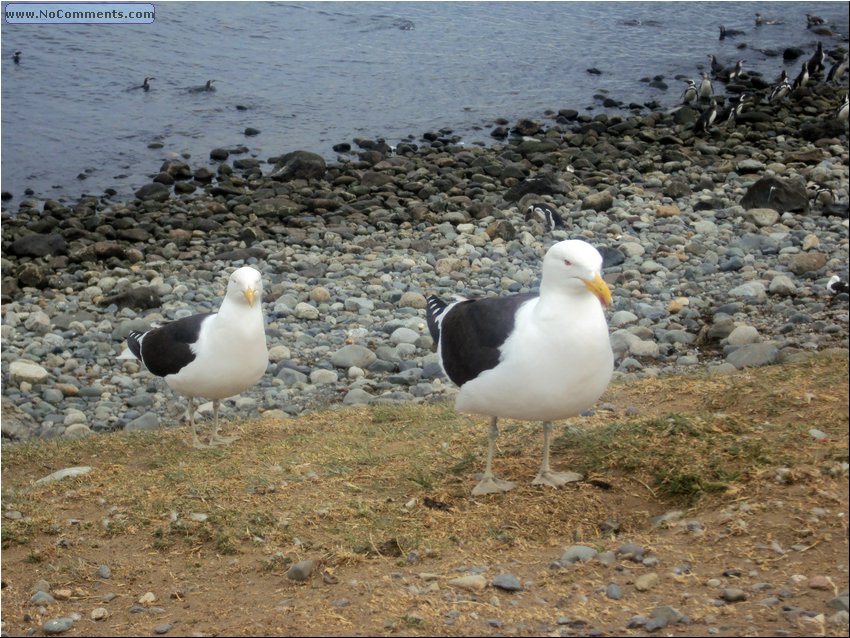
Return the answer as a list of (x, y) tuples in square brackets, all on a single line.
[(837, 286), (729, 33), (208, 87), (16, 56), (213, 355), (546, 214)]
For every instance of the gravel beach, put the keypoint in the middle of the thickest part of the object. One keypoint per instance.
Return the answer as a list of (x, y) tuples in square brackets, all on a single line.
[(717, 250)]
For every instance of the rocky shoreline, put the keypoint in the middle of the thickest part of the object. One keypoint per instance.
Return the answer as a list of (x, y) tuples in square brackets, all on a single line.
[(716, 253)]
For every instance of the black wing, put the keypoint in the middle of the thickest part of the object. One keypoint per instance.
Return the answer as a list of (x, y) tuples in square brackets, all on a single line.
[(472, 333), (165, 350)]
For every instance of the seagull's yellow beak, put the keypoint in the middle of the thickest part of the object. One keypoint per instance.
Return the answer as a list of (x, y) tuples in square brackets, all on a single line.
[(249, 295), (599, 288)]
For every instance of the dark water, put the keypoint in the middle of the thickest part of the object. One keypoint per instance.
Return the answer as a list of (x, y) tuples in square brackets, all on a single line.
[(314, 74)]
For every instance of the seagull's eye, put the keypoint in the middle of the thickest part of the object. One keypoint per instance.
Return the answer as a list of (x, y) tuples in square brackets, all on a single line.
[(568, 263)]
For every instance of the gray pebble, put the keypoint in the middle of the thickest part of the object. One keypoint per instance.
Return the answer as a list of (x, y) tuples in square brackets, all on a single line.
[(508, 582), (57, 625)]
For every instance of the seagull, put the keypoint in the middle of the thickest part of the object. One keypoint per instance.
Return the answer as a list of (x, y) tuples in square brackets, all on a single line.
[(544, 213), (208, 87), (211, 355), (532, 357)]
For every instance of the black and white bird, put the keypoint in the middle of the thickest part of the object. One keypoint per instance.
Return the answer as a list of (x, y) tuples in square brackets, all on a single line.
[(706, 90), (836, 285), (729, 33), (532, 357), (815, 63), (760, 20), (736, 107), (843, 109), (689, 95), (16, 56), (546, 214), (802, 78), (735, 72), (716, 67), (212, 355), (780, 91), (706, 118), (146, 85), (837, 70), (208, 87), (814, 21)]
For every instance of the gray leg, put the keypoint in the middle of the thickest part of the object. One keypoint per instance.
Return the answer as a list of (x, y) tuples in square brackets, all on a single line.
[(546, 476), (216, 439), (196, 442), (489, 484)]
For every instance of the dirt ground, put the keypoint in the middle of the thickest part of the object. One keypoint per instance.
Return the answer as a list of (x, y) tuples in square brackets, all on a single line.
[(750, 469)]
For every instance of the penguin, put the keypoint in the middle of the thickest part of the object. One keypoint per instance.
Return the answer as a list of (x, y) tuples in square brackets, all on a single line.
[(821, 195), (545, 213), (16, 56), (813, 21), (801, 79), (735, 73), (782, 77), (690, 93), (843, 109), (815, 64), (208, 87), (706, 90), (760, 20), (706, 119), (837, 70), (146, 85), (716, 67), (729, 33), (735, 109), (780, 91), (836, 286)]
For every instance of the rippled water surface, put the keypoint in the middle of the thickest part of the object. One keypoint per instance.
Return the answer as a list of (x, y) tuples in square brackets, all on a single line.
[(314, 74)]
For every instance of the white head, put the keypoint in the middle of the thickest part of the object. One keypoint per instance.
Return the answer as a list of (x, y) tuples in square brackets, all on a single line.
[(575, 267), (245, 286)]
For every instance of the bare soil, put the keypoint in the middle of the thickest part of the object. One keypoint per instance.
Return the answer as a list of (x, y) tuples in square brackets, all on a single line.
[(199, 542)]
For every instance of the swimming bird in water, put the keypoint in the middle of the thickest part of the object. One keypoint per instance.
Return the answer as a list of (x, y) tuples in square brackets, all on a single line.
[(814, 21), (729, 33), (201, 89), (146, 85), (16, 56), (760, 20), (690, 93), (706, 118), (532, 357)]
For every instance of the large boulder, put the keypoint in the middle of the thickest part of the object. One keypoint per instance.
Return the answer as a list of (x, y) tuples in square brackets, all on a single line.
[(299, 165), (780, 195), (38, 245)]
